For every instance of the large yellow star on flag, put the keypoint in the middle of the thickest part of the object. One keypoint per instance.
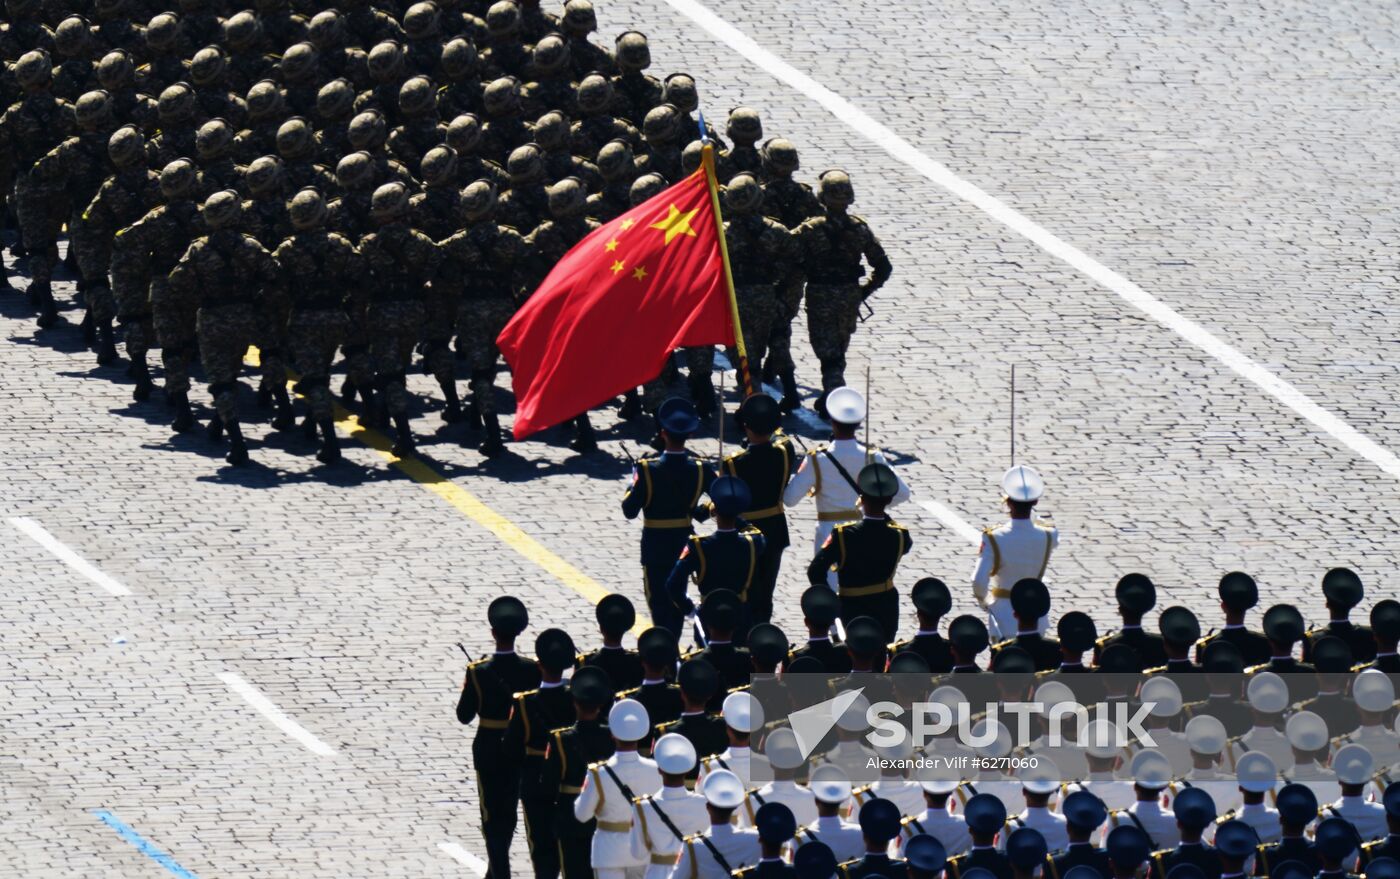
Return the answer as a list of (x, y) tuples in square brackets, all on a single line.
[(676, 223)]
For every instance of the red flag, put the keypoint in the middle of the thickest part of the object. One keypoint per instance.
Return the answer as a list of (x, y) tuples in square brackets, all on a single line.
[(616, 305)]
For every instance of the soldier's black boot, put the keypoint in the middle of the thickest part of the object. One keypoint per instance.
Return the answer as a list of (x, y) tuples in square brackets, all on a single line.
[(237, 448), (491, 443), (452, 411), (631, 405), (215, 430), (184, 416), (820, 406), (403, 445), (264, 394), (89, 330), (330, 443), (285, 419), (142, 373), (703, 393), (42, 296), (308, 427), (584, 440), (347, 391), (791, 400), (106, 344), (472, 415)]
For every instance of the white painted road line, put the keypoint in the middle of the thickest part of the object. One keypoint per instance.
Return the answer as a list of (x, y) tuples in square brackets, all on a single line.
[(955, 523), (34, 531), (274, 714), (462, 856), (1027, 228)]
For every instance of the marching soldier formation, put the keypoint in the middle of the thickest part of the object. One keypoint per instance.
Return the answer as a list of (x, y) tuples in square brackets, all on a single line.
[(405, 175)]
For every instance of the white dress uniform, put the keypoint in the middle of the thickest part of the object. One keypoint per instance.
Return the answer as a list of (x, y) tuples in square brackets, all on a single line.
[(951, 830), (1158, 823), (1320, 779), (654, 842), (1069, 759), (1174, 747), (1264, 821), (1225, 794), (907, 795), (739, 760), (1011, 552), (738, 846), (1009, 792), (1367, 818), (791, 794), (1382, 742), (1051, 825), (851, 756), (602, 799), (836, 498), (1265, 740), (1115, 793), (841, 836)]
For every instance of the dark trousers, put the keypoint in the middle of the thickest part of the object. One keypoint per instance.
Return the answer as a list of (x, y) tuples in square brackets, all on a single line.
[(661, 548), (883, 607), (539, 831), (575, 844), (497, 790), (765, 582)]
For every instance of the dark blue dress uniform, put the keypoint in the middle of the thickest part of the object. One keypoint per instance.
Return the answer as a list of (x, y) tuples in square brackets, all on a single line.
[(776, 827), (487, 694), (728, 559), (569, 753), (616, 615), (1343, 590), (766, 468), (879, 822), (820, 608), (1030, 600), (932, 601), (1136, 595), (985, 816), (666, 490), (1238, 593)]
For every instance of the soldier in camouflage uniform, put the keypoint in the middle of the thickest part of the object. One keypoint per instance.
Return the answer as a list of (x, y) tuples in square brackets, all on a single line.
[(434, 212), (76, 73), (23, 30), (464, 136), (791, 203), (280, 25), (349, 216), (387, 74), (322, 273), (422, 38), (334, 110), (578, 21), (833, 246), (745, 129), (247, 62), (121, 200), (680, 92), (165, 49), (28, 130), (366, 25), (300, 77), (618, 169), (457, 72), (265, 218), (762, 256), (200, 23), (506, 53), (226, 273), (326, 32), (596, 124), (526, 204), (266, 110), (116, 74), (112, 29), (296, 144), (552, 135), (142, 257), (663, 144), (485, 259), (208, 70), (420, 129), (399, 260), (179, 120), (635, 92), (368, 133), (504, 129), (550, 86), (213, 147)]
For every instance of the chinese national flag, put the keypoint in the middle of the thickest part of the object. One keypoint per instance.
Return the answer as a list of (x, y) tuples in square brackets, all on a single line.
[(617, 305)]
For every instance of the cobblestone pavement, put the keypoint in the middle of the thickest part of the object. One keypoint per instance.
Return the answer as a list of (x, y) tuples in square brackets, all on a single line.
[(1230, 158)]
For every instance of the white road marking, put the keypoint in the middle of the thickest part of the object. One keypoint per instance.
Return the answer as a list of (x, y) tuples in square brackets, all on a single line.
[(264, 705), (462, 856), (36, 532), (904, 151)]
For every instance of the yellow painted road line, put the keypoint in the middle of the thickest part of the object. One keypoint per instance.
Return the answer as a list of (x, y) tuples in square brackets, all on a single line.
[(470, 506)]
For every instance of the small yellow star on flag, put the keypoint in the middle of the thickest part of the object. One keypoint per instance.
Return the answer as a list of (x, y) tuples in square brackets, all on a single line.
[(640, 272), (611, 245), (617, 266), (628, 224), (676, 223)]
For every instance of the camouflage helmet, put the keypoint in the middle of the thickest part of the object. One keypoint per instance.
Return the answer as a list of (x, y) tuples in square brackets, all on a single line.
[(71, 36), (464, 133), (178, 179), (502, 96), (176, 104), (367, 130), (221, 209), (743, 195), (662, 124), (307, 209), (567, 198), (744, 126), (389, 201), (93, 110), (295, 139), (615, 159), (385, 61), (579, 18), (692, 156), (162, 32), (552, 131), (550, 54), (421, 20), (242, 30), (115, 70), (632, 52), (298, 62), (265, 101), (503, 19), (34, 69), (263, 175), (779, 155), (646, 186), (595, 93), (207, 65), (335, 99), (355, 170), (834, 188), (459, 58), (439, 166), (126, 147), (525, 164), (417, 97), (325, 30), (679, 90), (213, 139), (477, 200)]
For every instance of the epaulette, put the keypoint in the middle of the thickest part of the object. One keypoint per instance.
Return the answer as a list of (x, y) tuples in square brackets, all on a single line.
[(627, 694), (895, 646), (1155, 671), (579, 658), (596, 764), (1228, 816), (1360, 667), (559, 731), (1104, 639), (663, 728), (742, 688), (520, 696), (1263, 666), (1000, 644), (478, 663), (692, 654), (898, 527), (1045, 673)]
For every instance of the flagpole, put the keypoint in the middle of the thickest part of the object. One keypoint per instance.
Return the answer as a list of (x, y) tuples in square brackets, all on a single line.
[(708, 164)]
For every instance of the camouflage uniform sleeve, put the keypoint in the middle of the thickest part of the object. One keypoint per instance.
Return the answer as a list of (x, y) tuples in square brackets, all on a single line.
[(425, 254), (184, 278), (261, 262), (782, 249), (879, 263), (129, 251)]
